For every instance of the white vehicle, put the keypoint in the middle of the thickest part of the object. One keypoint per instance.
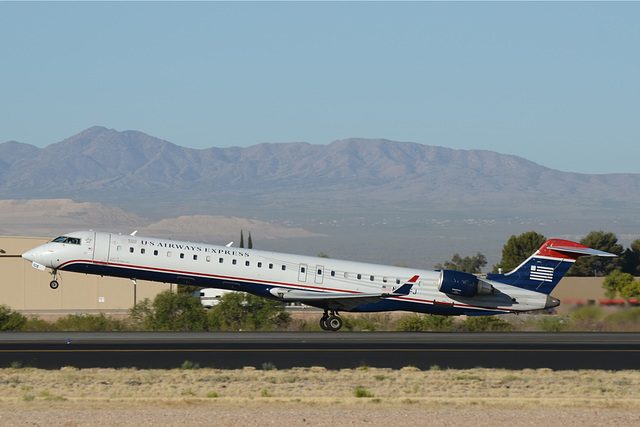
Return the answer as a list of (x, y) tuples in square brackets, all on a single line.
[(210, 296), (332, 285)]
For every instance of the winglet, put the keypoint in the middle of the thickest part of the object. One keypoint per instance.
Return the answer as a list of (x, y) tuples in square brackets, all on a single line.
[(406, 288)]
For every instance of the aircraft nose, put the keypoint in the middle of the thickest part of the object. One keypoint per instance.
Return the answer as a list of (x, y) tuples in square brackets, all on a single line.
[(37, 255), (30, 255)]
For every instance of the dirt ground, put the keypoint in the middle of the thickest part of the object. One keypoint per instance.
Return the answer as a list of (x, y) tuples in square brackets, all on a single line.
[(316, 396), (79, 416)]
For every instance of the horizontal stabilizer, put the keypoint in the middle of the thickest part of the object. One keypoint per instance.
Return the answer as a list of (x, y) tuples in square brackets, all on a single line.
[(580, 251)]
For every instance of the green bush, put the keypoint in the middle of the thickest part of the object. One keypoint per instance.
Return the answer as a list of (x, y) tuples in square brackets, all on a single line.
[(362, 392), (549, 323), (170, 312), (485, 324), (410, 323), (11, 320), (366, 322), (589, 313), (178, 312), (425, 322), (34, 323), (237, 310), (89, 322), (438, 323), (627, 319), (189, 365)]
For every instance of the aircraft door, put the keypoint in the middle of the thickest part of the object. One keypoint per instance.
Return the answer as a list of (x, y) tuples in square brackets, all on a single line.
[(319, 274), (302, 273), (101, 247)]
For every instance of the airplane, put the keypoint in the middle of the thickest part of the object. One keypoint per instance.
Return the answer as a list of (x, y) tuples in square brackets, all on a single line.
[(331, 285)]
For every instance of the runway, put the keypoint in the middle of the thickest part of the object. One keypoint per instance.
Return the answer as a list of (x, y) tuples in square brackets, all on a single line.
[(341, 350)]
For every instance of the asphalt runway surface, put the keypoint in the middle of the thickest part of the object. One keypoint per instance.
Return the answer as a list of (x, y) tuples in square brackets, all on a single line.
[(338, 350)]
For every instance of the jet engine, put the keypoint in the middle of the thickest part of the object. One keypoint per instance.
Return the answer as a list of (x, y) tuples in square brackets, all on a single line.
[(463, 284)]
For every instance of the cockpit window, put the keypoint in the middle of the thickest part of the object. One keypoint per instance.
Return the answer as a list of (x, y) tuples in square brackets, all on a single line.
[(66, 239)]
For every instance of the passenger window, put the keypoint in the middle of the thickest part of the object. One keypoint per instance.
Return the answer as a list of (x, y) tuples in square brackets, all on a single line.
[(142, 251), (371, 278), (221, 260), (397, 281), (195, 257), (181, 256), (169, 254), (359, 276), (208, 258), (155, 252), (270, 266), (259, 265), (303, 270), (247, 263), (333, 274), (234, 262), (284, 267), (130, 250)]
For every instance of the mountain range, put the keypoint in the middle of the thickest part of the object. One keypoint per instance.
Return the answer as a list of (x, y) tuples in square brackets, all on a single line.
[(346, 184), (105, 160)]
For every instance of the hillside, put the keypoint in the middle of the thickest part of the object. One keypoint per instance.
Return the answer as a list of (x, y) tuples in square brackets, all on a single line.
[(140, 166)]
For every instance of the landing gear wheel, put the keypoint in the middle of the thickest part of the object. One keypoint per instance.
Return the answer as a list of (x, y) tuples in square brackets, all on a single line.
[(54, 284), (324, 324), (330, 322), (334, 323)]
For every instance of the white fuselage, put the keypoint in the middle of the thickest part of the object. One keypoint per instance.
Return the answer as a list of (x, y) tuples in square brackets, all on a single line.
[(259, 272)]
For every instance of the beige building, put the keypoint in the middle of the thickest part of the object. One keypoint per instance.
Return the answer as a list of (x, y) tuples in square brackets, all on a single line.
[(26, 289)]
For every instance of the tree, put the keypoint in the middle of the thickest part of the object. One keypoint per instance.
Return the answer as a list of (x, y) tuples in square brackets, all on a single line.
[(631, 259), (471, 265), (517, 249), (598, 266), (170, 312), (179, 312), (241, 239), (237, 310), (11, 320), (620, 283), (249, 242)]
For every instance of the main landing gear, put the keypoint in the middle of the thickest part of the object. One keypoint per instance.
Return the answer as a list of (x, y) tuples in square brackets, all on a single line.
[(330, 322)]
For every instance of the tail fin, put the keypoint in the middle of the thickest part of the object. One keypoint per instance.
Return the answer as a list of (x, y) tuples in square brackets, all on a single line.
[(542, 271)]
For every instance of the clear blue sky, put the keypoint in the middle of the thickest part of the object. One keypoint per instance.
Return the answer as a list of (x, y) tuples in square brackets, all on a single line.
[(556, 83)]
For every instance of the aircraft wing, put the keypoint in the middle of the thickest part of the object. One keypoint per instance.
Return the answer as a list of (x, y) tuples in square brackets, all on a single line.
[(340, 301)]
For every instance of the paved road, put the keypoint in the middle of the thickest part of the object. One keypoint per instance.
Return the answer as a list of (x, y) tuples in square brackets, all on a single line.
[(165, 350)]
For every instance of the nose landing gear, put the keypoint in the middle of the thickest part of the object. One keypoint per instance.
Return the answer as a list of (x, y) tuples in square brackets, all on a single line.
[(54, 283), (330, 322)]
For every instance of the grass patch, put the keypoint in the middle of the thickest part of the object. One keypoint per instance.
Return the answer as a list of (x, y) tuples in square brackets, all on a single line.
[(187, 365), (360, 392)]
